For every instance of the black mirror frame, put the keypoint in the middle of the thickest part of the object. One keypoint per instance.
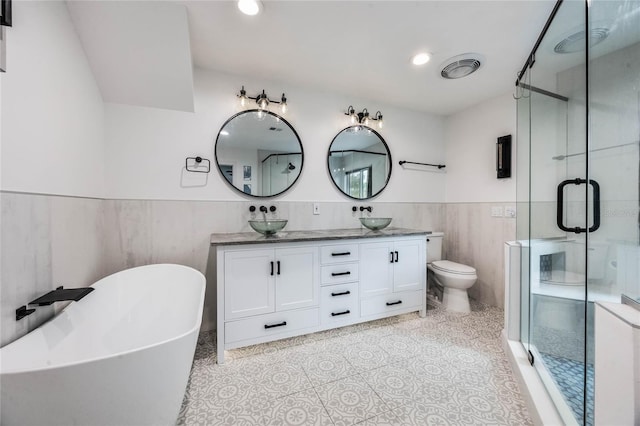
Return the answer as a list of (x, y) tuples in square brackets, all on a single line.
[(215, 153), (388, 153)]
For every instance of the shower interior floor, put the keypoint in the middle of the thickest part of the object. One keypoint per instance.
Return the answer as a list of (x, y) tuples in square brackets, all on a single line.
[(569, 377)]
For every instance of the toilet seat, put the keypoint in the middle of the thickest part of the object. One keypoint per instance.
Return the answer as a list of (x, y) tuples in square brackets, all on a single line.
[(453, 267)]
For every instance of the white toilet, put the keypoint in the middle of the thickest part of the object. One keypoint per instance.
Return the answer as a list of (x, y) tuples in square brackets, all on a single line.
[(454, 278)]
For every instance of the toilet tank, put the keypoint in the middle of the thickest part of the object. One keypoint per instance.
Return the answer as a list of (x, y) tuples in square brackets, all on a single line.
[(434, 246)]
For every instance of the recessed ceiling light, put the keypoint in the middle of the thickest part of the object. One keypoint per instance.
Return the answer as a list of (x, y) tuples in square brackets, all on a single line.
[(421, 59), (249, 7)]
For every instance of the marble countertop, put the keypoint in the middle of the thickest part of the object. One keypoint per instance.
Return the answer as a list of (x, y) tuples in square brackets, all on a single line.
[(311, 235)]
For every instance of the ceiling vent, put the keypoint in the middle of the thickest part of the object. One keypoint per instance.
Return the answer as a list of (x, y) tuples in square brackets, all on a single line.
[(575, 42), (461, 66)]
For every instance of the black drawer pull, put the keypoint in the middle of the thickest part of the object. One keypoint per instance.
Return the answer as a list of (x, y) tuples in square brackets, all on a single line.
[(344, 293), (344, 253), (391, 253), (335, 314), (275, 325), (278, 267), (272, 268), (337, 274), (397, 257), (394, 303)]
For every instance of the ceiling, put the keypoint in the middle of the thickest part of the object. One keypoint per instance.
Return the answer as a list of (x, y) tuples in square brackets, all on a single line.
[(356, 48)]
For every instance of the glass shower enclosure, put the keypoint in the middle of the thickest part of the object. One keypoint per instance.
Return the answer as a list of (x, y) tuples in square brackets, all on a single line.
[(578, 113)]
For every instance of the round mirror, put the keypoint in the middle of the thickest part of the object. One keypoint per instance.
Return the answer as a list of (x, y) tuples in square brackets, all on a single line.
[(359, 162), (259, 153)]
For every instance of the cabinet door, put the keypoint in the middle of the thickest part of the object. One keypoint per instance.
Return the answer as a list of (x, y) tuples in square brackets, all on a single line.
[(249, 285), (297, 272), (409, 269), (376, 269)]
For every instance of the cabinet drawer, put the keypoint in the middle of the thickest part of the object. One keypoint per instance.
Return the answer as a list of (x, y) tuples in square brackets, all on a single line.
[(389, 302), (336, 301), (270, 324), (338, 253), (339, 273)]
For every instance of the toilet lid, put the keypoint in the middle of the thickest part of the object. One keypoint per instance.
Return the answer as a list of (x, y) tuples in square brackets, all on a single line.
[(453, 267)]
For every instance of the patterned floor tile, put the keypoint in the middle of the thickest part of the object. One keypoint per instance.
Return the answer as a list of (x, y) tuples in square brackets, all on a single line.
[(446, 368), (422, 414), (325, 367), (366, 356), (350, 400), (278, 380), (400, 346), (395, 385), (384, 419), (434, 370), (302, 408)]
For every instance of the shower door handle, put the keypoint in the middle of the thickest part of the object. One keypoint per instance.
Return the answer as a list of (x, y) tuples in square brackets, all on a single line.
[(596, 205)]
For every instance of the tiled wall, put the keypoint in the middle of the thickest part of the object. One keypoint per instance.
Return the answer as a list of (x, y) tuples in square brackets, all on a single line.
[(142, 232), (49, 241), (475, 238), (46, 242)]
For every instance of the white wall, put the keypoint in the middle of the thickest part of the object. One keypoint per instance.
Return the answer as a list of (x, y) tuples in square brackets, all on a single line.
[(146, 148), (471, 137), (52, 111), (472, 235), (51, 142)]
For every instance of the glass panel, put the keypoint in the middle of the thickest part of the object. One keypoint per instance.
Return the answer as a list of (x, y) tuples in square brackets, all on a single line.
[(523, 97), (557, 256), (613, 158)]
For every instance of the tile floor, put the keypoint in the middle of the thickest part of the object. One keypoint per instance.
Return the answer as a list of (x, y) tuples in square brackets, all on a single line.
[(446, 369), (569, 377)]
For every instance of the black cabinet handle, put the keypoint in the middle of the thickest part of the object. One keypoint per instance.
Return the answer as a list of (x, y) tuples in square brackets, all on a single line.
[(344, 253), (278, 267), (397, 257), (391, 253), (596, 206), (283, 323), (344, 293), (271, 268), (335, 314), (394, 303), (337, 274)]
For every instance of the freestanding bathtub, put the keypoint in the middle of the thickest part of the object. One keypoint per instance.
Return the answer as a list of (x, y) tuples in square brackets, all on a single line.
[(119, 356)]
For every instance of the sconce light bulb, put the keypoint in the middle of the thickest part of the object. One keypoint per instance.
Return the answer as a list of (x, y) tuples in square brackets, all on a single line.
[(366, 121), (243, 97), (354, 119), (283, 107), (380, 123)]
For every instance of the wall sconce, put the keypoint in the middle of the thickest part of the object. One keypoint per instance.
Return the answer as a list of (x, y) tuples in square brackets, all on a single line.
[(363, 117), (262, 100)]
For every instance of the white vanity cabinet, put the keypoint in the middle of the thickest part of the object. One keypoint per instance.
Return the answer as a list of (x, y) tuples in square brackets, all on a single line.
[(259, 281), (391, 266), (393, 276), (273, 289)]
